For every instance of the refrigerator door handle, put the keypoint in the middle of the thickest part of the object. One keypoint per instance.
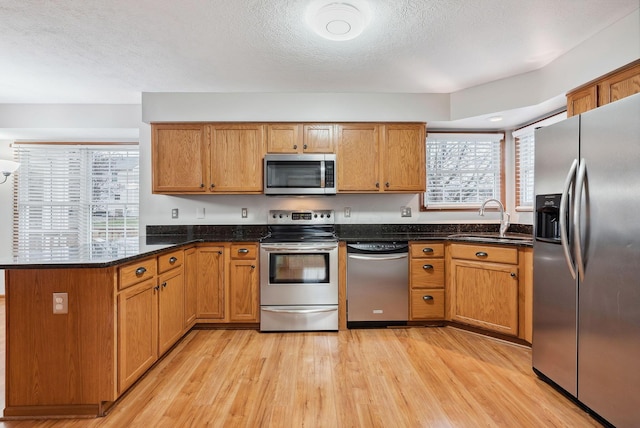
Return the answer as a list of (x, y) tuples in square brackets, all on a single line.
[(577, 239), (564, 231)]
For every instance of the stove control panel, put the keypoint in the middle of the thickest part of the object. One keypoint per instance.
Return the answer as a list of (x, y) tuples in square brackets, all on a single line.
[(301, 217)]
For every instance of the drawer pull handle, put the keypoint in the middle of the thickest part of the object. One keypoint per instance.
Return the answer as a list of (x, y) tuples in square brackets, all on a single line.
[(427, 250), (243, 251), (426, 267), (172, 260), (427, 298), (481, 254), (140, 271)]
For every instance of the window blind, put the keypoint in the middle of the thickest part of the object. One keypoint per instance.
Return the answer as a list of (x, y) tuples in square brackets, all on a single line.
[(463, 169), (525, 160), (69, 196)]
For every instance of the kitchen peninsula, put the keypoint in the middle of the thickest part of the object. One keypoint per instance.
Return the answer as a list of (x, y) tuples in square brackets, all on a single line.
[(84, 324)]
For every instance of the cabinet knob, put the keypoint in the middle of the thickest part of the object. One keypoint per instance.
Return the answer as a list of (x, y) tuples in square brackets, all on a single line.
[(426, 267), (427, 298), (172, 260), (243, 251), (213, 185), (295, 146), (156, 288), (253, 266), (201, 184), (140, 271), (164, 284), (219, 252), (427, 250), (513, 274), (304, 146), (377, 185), (481, 254), (386, 184)]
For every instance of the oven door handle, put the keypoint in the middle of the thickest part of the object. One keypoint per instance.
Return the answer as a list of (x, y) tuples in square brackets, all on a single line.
[(307, 248), (381, 257), (299, 311)]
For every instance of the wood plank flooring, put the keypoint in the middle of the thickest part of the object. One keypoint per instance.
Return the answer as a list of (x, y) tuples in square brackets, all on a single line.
[(415, 377)]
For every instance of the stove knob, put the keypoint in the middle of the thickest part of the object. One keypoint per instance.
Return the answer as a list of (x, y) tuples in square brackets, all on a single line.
[(321, 215), (328, 215), (274, 216), (315, 216), (280, 215)]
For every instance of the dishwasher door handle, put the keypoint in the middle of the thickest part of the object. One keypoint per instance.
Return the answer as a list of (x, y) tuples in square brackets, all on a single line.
[(378, 258), (299, 311)]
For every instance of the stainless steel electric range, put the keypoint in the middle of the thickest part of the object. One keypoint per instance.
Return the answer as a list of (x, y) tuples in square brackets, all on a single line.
[(299, 272)]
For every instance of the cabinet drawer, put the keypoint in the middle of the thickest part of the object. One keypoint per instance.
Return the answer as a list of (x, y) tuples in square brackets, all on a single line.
[(170, 260), (427, 273), (136, 272), (244, 251), (427, 249), (427, 304), (485, 253)]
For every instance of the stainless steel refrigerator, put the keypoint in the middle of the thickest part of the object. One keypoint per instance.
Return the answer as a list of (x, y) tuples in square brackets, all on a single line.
[(586, 304)]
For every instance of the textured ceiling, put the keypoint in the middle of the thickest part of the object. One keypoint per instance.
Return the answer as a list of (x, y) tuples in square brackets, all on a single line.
[(109, 51)]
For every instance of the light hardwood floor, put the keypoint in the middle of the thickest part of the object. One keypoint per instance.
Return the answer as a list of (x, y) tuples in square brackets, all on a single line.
[(417, 377)]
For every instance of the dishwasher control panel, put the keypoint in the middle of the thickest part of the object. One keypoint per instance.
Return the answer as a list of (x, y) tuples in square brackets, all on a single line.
[(378, 247)]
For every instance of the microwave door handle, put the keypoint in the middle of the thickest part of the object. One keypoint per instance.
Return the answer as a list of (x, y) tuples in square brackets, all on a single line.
[(322, 175), (564, 231)]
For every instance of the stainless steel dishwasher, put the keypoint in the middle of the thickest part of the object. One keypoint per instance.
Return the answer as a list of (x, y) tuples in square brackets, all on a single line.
[(377, 284)]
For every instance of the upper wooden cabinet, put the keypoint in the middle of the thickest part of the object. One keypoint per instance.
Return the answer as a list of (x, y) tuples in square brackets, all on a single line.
[(198, 158), (180, 158), (236, 158), (381, 158), (300, 138), (611, 87)]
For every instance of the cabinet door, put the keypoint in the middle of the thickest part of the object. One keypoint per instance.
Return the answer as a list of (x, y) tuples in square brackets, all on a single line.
[(358, 165), (190, 287), (243, 291), (236, 158), (485, 295), (137, 331), (403, 158), (582, 100), (318, 139), (284, 138), (171, 309), (210, 282), (179, 158), (619, 85)]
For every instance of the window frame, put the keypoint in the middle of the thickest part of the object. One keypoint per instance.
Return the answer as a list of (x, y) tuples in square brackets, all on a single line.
[(472, 206)]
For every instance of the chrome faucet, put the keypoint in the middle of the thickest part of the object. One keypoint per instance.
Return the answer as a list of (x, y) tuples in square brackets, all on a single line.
[(504, 217)]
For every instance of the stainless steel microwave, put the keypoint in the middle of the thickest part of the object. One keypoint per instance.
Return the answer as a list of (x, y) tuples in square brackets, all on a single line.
[(304, 174)]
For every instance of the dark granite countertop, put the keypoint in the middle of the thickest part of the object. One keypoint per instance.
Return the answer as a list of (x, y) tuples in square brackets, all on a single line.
[(162, 238)]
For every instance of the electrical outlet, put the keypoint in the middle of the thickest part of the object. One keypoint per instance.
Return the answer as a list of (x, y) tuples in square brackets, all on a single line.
[(405, 211), (60, 303), (244, 213), (174, 213), (347, 211)]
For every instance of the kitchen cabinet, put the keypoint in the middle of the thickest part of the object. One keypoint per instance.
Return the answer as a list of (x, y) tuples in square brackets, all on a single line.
[(170, 299), (611, 87), (236, 157), (201, 158), (210, 282), (190, 287), (484, 287), (426, 281), (381, 158), (179, 157), (297, 138), (244, 301)]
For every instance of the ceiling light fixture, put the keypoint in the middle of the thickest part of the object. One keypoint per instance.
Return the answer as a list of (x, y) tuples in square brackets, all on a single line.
[(7, 167), (338, 20), (495, 118)]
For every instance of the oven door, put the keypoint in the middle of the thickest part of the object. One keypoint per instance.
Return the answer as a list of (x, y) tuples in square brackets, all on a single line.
[(299, 274)]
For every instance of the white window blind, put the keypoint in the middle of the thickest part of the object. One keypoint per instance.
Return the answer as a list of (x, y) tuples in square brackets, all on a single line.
[(69, 196), (525, 160), (463, 169)]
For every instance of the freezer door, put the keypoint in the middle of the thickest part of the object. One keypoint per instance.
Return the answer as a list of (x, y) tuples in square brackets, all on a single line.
[(554, 346), (609, 319)]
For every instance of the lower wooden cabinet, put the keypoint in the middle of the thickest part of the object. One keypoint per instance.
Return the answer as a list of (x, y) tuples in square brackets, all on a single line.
[(210, 282), (244, 301), (170, 308), (484, 287), (426, 281), (137, 331)]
